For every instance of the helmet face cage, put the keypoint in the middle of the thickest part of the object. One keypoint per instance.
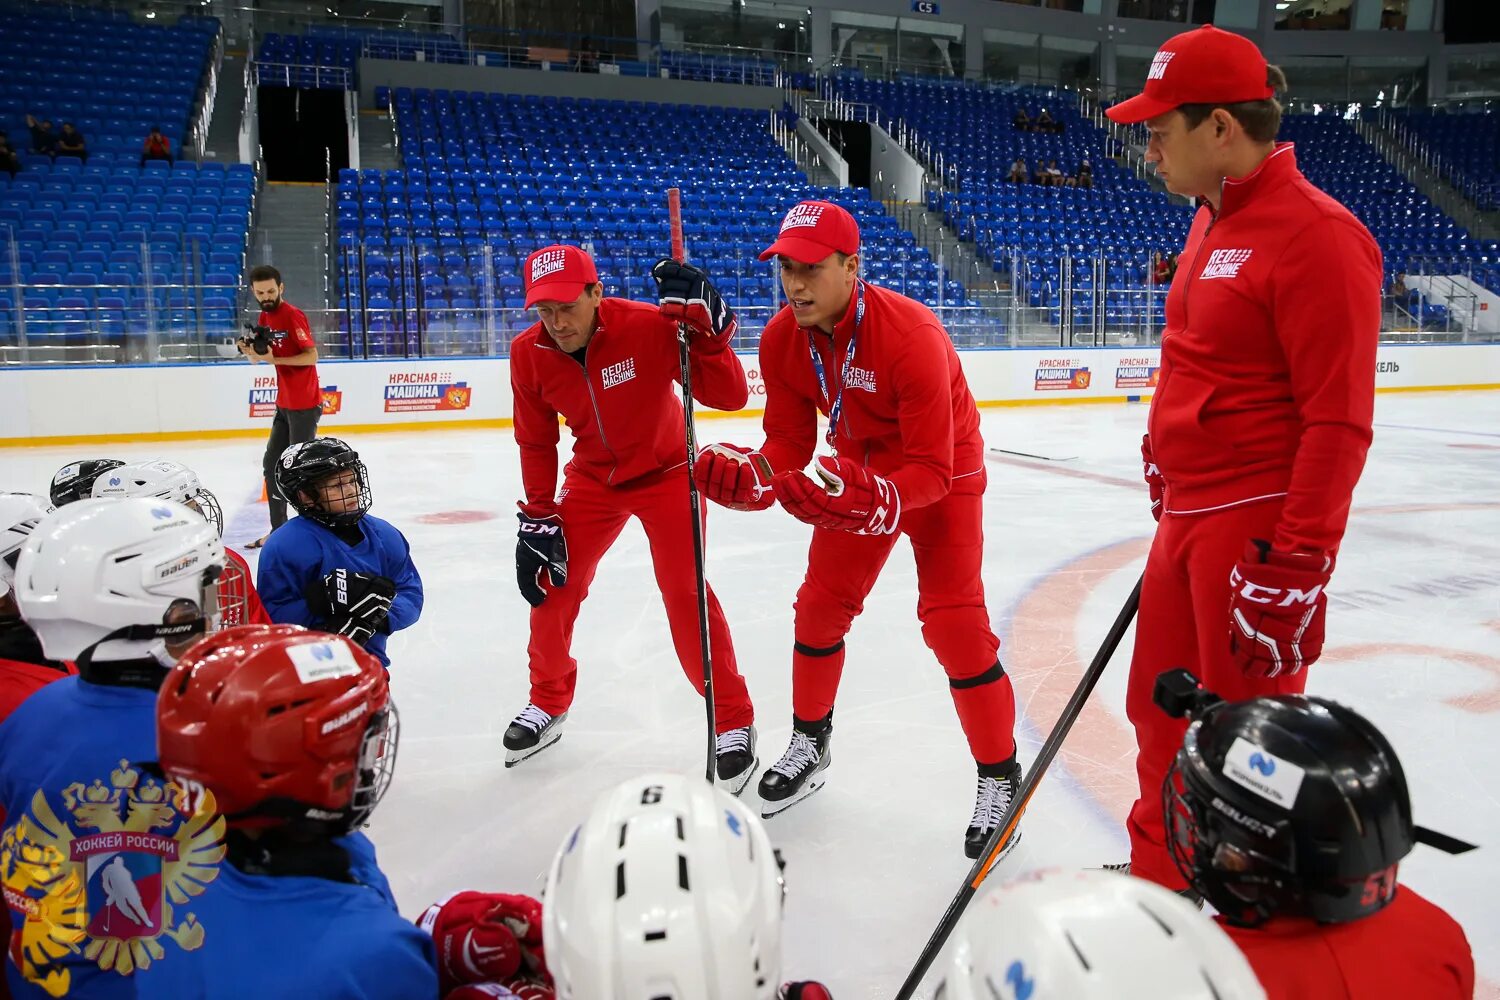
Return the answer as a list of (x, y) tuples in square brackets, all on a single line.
[(294, 481), (232, 596), (1232, 868), (208, 505), (377, 764)]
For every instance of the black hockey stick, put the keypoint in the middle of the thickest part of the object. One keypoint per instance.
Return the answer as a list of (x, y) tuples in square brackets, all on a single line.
[(990, 855), (1040, 458), (674, 213)]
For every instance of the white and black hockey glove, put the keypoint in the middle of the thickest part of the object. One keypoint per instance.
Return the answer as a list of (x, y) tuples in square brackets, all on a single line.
[(354, 604), (540, 547), (686, 295)]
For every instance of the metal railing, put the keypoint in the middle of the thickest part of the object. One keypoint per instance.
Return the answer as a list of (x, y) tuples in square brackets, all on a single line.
[(303, 76), (405, 304)]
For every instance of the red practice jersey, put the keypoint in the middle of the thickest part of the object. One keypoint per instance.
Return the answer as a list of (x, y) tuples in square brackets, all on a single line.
[(296, 385), (907, 411), (623, 404), (1267, 383), (1409, 949)]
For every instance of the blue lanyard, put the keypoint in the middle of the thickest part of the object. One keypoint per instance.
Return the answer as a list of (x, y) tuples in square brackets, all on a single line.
[(836, 407)]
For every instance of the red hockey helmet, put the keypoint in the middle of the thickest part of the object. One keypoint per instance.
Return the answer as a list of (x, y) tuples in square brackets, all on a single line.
[(282, 725)]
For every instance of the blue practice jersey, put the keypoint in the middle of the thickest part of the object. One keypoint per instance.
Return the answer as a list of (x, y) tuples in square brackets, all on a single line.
[(302, 552), (99, 827), (296, 936)]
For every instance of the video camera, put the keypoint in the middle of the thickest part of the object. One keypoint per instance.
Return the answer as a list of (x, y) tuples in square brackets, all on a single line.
[(260, 337), (1182, 696)]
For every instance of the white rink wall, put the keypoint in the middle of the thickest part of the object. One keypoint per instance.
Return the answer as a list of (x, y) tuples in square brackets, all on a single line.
[(76, 404)]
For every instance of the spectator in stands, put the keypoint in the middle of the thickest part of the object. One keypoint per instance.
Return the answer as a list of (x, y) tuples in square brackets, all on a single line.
[(9, 161), (1085, 178), (1018, 172), (156, 146), (1054, 174), (1399, 291), (1045, 123), (1040, 175), (1022, 121), (43, 139), (70, 143)]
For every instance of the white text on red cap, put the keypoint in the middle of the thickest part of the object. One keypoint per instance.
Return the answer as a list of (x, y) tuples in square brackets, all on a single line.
[(546, 262), (1159, 65), (801, 215)]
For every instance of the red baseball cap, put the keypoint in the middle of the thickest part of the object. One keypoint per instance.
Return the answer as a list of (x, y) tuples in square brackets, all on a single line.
[(557, 274), (1202, 66), (812, 230)]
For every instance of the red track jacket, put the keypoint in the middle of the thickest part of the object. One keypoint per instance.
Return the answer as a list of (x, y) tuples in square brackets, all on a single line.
[(908, 413), (1267, 382), (625, 409)]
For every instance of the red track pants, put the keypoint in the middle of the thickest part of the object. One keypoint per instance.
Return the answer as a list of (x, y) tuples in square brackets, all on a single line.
[(1184, 622), (947, 539), (593, 516)]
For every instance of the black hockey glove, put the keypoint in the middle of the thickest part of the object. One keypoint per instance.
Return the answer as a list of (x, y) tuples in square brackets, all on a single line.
[(540, 546), (687, 296), (353, 604)]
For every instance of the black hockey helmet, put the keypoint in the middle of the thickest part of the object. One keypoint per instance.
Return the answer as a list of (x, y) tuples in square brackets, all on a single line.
[(1288, 806), (75, 481), (303, 465)]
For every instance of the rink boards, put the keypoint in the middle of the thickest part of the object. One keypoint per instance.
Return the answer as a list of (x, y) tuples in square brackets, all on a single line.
[(70, 405)]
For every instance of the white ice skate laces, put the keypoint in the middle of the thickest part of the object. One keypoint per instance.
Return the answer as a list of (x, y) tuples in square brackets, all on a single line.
[(801, 754), (991, 799), (734, 741), (533, 718)]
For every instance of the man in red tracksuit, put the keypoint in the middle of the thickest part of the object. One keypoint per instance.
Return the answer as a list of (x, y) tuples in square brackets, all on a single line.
[(1262, 416), (909, 459), (609, 367)]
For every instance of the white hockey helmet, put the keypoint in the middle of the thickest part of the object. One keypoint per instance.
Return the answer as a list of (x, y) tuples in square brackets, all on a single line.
[(670, 890), (1081, 935), (122, 574), (163, 480), (19, 514)]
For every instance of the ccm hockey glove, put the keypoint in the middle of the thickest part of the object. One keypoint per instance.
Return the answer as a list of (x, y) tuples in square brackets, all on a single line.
[(541, 547), (1276, 605), (737, 478), (687, 296)]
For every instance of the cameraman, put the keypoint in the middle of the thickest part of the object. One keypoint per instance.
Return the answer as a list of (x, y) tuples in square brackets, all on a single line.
[(282, 337)]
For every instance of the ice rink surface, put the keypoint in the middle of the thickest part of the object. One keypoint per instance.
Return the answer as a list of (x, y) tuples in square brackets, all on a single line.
[(873, 858)]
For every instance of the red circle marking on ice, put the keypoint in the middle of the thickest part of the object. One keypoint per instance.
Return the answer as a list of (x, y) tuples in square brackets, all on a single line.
[(457, 517)]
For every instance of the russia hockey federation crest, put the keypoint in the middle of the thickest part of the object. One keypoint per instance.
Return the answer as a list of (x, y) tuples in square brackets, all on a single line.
[(106, 878)]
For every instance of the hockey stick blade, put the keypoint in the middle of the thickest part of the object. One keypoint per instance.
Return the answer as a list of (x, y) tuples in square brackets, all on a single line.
[(990, 855), (1039, 458)]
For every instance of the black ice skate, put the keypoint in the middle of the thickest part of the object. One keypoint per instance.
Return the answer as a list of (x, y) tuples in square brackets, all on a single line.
[(736, 760), (530, 733), (998, 784), (799, 772)]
